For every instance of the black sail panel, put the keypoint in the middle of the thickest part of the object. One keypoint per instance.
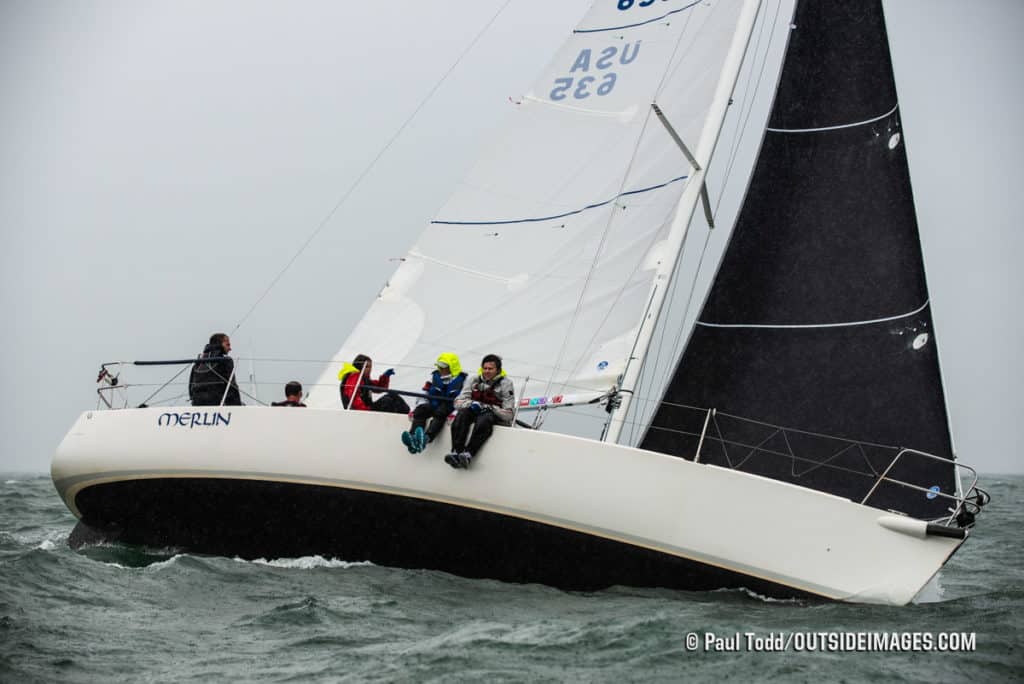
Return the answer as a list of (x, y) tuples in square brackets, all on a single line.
[(818, 319)]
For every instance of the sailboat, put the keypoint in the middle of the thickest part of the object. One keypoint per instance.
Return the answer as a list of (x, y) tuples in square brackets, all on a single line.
[(788, 436)]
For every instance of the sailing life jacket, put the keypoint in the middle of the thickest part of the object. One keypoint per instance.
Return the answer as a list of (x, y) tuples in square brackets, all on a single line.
[(496, 394), (349, 376), (439, 387)]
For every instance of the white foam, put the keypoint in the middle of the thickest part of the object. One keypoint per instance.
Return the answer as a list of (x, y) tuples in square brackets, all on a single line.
[(11, 481), (164, 563), (116, 565), (759, 597), (47, 542), (931, 592), (306, 563)]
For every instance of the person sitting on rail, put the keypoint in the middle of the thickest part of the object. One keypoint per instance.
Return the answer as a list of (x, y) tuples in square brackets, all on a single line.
[(357, 387), (292, 395), (444, 385), (212, 381), (488, 399)]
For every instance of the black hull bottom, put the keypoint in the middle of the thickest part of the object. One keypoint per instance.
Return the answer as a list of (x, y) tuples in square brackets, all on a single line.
[(259, 519)]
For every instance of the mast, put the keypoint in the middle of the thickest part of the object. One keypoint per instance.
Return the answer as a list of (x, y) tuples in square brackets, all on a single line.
[(694, 192)]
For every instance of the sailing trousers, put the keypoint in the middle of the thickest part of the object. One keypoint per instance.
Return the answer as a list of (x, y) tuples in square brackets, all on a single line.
[(482, 424), (436, 417)]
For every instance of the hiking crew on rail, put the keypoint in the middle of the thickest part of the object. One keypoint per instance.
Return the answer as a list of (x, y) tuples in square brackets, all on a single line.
[(443, 387), (489, 398)]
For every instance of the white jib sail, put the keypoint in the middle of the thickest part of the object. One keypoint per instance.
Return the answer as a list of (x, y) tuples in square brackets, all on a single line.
[(546, 252)]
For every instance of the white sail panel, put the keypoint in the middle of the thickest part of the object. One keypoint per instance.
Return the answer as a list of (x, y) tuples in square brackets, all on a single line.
[(546, 252)]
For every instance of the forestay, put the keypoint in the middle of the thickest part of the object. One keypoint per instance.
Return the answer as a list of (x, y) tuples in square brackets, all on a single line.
[(547, 250)]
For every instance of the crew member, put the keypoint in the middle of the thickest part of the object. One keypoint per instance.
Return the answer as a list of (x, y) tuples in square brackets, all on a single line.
[(292, 395), (488, 399), (212, 381), (357, 386), (443, 388)]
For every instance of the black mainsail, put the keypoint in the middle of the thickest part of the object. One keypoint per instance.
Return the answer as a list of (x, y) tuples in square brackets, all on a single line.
[(819, 316)]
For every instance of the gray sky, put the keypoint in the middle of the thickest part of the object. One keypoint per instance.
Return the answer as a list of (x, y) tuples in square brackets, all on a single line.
[(160, 162)]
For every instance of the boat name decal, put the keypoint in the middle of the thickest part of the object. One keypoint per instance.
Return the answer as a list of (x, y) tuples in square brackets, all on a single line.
[(191, 419)]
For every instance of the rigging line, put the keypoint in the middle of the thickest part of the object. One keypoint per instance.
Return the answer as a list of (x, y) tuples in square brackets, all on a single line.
[(815, 325), (618, 295), (672, 73), (671, 297), (750, 97), (371, 165), (677, 348), (597, 255), (637, 390), (835, 128), (724, 442), (669, 70), (806, 432), (611, 214), (737, 133)]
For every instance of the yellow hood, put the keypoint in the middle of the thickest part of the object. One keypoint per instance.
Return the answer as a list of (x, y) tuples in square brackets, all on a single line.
[(453, 362), (346, 369)]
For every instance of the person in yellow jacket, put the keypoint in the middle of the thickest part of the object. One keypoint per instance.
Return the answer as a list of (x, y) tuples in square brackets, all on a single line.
[(444, 385)]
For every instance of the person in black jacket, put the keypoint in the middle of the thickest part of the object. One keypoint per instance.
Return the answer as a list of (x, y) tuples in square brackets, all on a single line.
[(292, 395), (212, 381)]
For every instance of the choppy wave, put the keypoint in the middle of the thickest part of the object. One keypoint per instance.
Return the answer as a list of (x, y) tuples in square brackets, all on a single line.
[(307, 563), (117, 613)]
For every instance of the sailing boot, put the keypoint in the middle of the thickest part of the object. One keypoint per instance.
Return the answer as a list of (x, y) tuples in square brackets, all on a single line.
[(452, 459), (410, 442), (419, 438), (465, 458)]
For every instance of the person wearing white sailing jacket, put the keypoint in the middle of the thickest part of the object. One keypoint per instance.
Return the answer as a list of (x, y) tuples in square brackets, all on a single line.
[(487, 399)]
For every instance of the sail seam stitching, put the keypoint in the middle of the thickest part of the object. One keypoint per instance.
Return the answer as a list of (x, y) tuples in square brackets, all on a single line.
[(816, 325), (835, 128)]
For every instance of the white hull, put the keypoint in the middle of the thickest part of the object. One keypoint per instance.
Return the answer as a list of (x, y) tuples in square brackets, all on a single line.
[(782, 534)]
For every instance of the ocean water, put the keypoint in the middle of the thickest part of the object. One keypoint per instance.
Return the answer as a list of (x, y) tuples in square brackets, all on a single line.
[(113, 613)]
